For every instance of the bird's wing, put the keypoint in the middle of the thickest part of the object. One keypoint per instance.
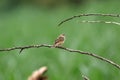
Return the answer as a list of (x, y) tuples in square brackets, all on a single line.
[(59, 39)]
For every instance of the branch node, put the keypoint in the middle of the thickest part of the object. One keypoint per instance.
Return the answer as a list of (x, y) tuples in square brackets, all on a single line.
[(21, 50)]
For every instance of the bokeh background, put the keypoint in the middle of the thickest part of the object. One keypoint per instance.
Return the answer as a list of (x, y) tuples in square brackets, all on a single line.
[(29, 22)]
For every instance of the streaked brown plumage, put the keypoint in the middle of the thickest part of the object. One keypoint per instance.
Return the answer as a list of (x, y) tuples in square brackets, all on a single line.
[(60, 40)]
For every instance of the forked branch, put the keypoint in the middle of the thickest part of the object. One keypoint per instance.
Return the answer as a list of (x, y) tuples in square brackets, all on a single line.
[(66, 49)]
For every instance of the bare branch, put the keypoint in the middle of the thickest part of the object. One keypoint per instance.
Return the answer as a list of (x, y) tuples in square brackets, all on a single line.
[(91, 14), (107, 22), (26, 47), (66, 49)]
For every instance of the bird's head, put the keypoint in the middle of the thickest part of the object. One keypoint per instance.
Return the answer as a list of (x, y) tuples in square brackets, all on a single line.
[(62, 34)]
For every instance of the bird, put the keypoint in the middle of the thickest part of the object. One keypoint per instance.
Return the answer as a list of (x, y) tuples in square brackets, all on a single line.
[(59, 41)]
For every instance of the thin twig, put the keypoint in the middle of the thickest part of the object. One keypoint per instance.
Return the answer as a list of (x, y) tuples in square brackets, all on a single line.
[(107, 22), (85, 77), (91, 14), (66, 49)]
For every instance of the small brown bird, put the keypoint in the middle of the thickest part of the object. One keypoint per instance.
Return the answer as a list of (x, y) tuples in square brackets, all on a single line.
[(60, 40)]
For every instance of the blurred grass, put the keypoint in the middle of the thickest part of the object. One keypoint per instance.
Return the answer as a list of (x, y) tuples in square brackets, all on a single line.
[(28, 25)]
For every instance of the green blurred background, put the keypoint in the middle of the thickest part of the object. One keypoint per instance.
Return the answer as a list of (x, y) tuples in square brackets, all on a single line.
[(29, 22)]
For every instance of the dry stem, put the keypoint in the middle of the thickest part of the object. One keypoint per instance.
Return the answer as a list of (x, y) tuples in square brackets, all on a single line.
[(38, 74), (98, 21)]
